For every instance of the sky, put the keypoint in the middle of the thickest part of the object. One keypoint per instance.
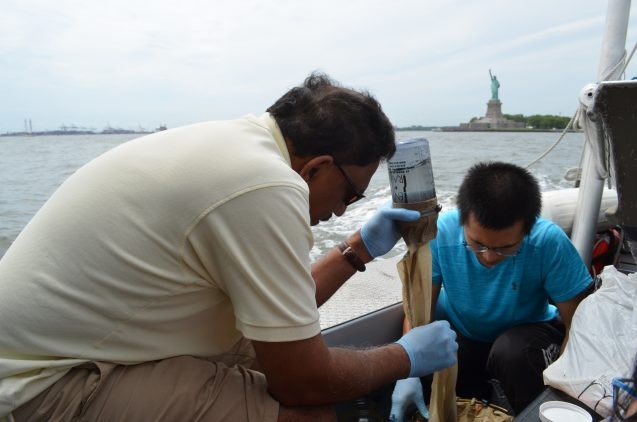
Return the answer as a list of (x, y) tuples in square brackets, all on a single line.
[(140, 64)]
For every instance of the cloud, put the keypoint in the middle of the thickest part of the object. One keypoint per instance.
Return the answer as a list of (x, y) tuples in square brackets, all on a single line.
[(130, 61)]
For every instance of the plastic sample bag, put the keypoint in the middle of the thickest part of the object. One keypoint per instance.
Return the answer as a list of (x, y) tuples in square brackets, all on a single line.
[(602, 343)]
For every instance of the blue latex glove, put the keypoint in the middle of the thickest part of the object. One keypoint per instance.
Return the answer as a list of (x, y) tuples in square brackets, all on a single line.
[(380, 233), (407, 391), (430, 348)]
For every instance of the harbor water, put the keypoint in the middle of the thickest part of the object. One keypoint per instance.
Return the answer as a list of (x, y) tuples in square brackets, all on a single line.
[(31, 168)]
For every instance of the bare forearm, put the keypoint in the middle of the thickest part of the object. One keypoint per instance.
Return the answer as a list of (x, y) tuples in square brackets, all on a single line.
[(350, 374), (329, 274), (563, 347), (371, 368), (332, 270), (567, 310)]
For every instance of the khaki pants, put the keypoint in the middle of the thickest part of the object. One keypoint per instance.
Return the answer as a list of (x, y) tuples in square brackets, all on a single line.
[(182, 388)]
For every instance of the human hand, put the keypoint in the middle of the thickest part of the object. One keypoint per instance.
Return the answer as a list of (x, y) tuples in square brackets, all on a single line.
[(407, 391), (430, 348), (380, 233)]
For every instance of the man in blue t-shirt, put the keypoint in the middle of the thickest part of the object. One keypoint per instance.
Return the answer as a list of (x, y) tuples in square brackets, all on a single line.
[(508, 281)]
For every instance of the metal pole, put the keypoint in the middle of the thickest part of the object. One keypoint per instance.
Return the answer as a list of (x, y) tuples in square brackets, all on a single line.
[(592, 185)]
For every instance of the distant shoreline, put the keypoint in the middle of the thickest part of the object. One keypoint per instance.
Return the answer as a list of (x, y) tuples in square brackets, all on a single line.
[(77, 132), (397, 129), (455, 129)]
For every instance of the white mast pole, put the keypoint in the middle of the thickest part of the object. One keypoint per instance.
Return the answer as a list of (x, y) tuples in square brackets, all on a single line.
[(592, 185)]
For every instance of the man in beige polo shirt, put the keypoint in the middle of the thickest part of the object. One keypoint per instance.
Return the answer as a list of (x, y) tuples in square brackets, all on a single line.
[(150, 281)]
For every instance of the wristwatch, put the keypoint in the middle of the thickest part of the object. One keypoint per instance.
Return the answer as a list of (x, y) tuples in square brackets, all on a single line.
[(351, 256)]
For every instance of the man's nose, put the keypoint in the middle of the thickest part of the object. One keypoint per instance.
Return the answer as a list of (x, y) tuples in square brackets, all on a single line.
[(490, 257), (340, 210)]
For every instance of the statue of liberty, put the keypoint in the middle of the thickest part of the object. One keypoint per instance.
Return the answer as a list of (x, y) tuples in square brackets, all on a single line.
[(495, 85)]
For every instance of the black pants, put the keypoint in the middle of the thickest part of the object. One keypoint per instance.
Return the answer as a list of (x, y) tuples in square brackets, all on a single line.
[(516, 360)]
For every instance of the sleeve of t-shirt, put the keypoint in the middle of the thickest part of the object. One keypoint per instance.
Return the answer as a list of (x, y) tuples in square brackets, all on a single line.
[(566, 275), (255, 248)]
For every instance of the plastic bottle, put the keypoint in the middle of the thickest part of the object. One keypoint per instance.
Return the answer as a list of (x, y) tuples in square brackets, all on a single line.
[(410, 172)]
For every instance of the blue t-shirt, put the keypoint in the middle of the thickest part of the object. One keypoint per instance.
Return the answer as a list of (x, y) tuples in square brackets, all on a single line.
[(481, 303)]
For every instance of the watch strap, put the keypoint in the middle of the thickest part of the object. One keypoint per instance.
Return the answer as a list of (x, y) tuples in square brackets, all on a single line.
[(351, 256)]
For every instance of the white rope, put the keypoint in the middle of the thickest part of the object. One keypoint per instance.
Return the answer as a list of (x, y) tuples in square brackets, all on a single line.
[(610, 73), (559, 139), (580, 118), (594, 131), (630, 56)]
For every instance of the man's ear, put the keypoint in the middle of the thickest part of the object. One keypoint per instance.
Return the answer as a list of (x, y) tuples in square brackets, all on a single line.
[(314, 164)]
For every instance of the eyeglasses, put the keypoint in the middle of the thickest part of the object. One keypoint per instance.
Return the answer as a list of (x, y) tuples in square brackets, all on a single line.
[(357, 194), (507, 251), (624, 393)]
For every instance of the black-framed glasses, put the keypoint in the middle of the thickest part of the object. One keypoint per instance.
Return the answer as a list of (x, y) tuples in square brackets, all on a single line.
[(507, 251), (624, 393), (357, 194)]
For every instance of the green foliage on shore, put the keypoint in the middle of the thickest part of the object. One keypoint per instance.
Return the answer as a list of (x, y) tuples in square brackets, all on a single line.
[(540, 121), (416, 127)]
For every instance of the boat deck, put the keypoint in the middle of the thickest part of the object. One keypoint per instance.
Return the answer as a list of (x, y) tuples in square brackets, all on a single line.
[(626, 263), (378, 287)]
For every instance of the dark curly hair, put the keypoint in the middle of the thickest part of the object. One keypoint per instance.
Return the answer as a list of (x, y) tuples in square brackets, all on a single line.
[(321, 117), (499, 194)]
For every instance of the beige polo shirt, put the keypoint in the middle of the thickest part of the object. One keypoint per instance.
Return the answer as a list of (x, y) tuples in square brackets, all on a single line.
[(176, 243)]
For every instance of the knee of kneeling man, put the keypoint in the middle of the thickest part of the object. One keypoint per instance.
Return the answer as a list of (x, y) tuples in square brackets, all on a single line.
[(505, 352)]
